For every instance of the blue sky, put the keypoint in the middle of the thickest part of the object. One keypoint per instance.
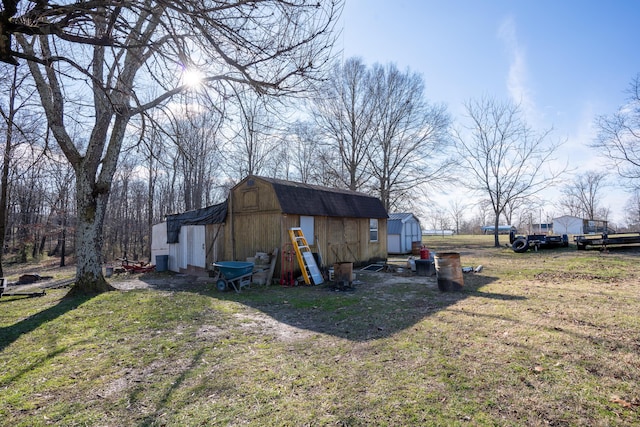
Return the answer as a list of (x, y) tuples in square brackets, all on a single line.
[(566, 61)]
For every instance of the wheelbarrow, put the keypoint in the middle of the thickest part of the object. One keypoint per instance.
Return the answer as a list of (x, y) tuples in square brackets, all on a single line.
[(236, 274)]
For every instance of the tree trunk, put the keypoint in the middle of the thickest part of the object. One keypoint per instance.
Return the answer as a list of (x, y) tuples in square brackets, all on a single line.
[(63, 248), (92, 206), (496, 231), (63, 243), (6, 160), (150, 200)]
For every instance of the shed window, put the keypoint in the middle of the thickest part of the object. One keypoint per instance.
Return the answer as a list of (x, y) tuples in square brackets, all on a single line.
[(373, 229)]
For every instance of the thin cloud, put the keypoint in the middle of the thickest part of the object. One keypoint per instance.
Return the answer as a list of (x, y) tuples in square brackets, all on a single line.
[(517, 79)]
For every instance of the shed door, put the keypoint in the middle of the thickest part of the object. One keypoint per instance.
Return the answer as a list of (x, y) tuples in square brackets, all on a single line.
[(194, 247), (307, 226), (414, 234)]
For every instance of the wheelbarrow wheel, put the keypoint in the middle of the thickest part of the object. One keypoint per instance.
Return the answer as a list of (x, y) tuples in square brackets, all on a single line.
[(221, 284)]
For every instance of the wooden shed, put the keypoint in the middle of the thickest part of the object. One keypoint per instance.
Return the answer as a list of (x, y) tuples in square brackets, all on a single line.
[(403, 230), (339, 225)]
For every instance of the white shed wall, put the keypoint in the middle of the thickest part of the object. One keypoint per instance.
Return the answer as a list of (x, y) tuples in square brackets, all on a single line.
[(159, 245), (393, 244), (567, 225)]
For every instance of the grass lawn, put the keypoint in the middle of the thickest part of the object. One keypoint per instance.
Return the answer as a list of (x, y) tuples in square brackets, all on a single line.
[(541, 338)]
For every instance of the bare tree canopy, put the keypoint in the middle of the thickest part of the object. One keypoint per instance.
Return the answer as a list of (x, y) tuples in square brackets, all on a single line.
[(410, 137), (387, 138), (345, 116), (98, 65), (583, 196), (619, 137), (632, 210), (502, 157)]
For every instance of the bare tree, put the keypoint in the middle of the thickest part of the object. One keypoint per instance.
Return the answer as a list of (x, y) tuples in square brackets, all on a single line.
[(62, 202), (502, 157), (618, 139), (344, 113), (409, 139), (483, 214), (457, 210), (196, 147), (9, 116), (253, 140), (304, 150), (438, 218), (19, 124), (632, 209), (93, 62), (150, 142), (584, 194)]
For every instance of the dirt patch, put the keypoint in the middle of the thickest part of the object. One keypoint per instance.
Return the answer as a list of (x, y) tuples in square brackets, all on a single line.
[(269, 326), (160, 281)]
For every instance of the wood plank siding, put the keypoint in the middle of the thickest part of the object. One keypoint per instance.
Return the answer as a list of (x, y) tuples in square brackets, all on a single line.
[(259, 212), (260, 224)]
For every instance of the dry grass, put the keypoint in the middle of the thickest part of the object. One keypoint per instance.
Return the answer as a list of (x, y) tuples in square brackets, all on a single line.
[(547, 338)]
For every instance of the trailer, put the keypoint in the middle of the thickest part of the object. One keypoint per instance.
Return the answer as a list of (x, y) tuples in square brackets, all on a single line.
[(521, 244), (605, 239)]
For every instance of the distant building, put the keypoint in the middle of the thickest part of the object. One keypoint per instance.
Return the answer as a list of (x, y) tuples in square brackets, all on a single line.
[(545, 228), (502, 229), (402, 230), (568, 224), (438, 232)]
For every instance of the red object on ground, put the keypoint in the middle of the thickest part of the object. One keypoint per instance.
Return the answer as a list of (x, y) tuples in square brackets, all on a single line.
[(139, 268), (286, 266)]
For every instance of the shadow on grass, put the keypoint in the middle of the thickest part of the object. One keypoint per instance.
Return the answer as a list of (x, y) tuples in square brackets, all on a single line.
[(8, 334), (152, 418), (380, 305)]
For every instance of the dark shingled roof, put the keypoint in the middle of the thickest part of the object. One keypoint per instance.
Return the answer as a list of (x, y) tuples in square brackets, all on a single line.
[(313, 200)]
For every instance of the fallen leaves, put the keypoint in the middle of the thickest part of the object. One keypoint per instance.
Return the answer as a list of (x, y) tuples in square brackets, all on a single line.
[(625, 403)]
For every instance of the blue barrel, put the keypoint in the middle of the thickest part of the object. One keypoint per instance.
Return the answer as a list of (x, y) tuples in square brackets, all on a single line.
[(162, 262)]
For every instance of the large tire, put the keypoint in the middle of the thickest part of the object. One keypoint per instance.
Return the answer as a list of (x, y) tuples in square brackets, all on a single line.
[(520, 245)]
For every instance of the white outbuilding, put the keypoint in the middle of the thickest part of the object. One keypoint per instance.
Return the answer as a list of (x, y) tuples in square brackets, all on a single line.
[(403, 230), (568, 224)]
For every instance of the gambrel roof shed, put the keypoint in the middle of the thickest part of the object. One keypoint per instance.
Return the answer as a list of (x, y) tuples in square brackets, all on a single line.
[(403, 229), (342, 225), (313, 200)]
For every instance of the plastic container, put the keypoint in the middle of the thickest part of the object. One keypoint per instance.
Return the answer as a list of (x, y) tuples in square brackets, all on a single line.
[(424, 267), (162, 263)]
